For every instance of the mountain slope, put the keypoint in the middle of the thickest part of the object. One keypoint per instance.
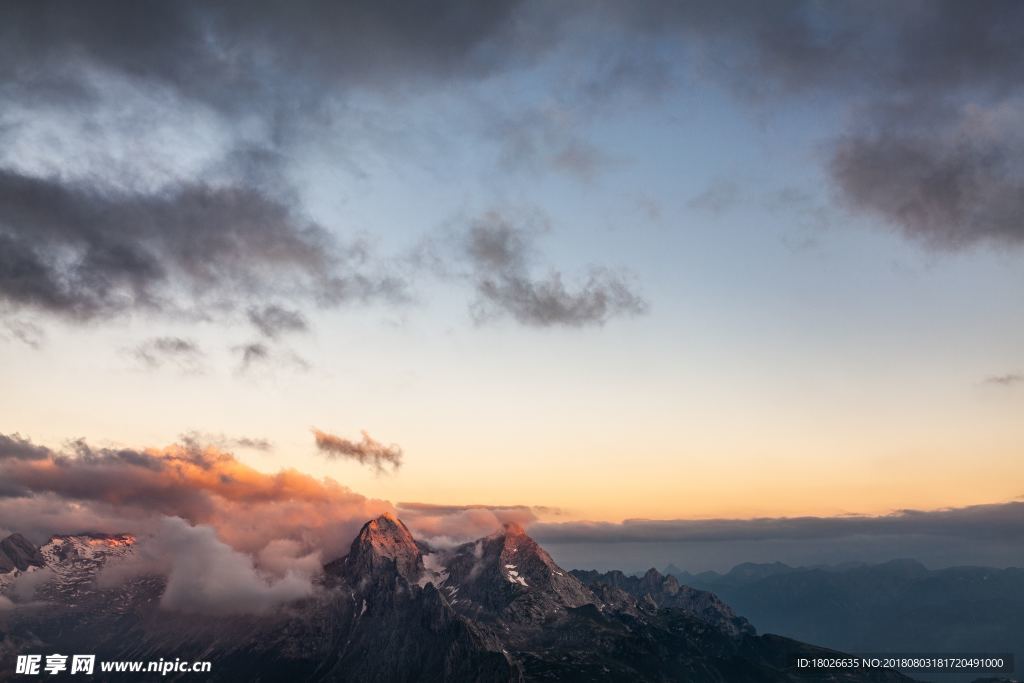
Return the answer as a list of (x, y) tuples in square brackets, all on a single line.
[(658, 590), (497, 609), (897, 606)]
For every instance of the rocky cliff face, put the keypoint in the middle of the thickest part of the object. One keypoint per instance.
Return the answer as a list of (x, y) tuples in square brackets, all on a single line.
[(656, 590), (384, 544), (508, 577), (497, 609), (16, 552)]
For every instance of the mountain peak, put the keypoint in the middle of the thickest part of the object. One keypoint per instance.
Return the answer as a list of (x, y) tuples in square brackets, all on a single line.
[(17, 552), (513, 529), (386, 523), (510, 573), (385, 542)]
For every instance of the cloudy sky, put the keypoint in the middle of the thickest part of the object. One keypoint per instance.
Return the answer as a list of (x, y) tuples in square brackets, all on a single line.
[(586, 261)]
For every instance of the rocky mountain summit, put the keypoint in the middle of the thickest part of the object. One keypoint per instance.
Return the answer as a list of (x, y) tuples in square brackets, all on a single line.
[(16, 552), (395, 609)]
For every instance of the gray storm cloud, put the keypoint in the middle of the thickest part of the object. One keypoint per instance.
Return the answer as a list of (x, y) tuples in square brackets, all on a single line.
[(273, 321), (332, 45), (931, 146), (17, 447), (83, 252)]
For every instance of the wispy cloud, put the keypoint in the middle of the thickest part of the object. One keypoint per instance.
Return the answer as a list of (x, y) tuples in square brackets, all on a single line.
[(258, 354), (197, 440), (497, 256), (273, 321), (452, 524), (1007, 380), (499, 253), (367, 451), (183, 354)]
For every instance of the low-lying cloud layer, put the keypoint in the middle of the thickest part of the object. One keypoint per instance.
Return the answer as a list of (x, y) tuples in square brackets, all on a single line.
[(258, 539), (447, 525), (1004, 521), (206, 575), (366, 452), (978, 534), (228, 538)]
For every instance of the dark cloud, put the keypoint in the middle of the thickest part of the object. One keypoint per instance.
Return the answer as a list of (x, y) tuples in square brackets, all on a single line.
[(253, 444), (257, 354), (272, 321), (196, 440), (81, 252), (234, 54), (185, 354), (252, 353), (368, 451), (873, 47), (500, 253), (15, 446), (947, 191), (1007, 380), (143, 233), (932, 91), (932, 147)]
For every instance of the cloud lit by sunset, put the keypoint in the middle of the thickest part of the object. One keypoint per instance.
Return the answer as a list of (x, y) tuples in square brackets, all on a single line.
[(303, 302)]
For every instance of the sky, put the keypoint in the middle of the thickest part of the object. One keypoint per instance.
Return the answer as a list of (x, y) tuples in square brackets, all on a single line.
[(577, 262)]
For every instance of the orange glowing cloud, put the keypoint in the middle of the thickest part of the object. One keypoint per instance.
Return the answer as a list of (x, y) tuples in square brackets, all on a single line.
[(130, 488)]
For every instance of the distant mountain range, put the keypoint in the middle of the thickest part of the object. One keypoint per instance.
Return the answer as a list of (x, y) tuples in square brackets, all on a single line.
[(898, 606), (395, 609)]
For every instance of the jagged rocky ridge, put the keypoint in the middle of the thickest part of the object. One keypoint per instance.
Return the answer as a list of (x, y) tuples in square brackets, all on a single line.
[(655, 590), (394, 609), (16, 552)]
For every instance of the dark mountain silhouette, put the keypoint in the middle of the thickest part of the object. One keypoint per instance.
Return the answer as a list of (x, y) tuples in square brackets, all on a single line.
[(897, 606), (394, 609), (660, 591), (16, 552)]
